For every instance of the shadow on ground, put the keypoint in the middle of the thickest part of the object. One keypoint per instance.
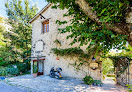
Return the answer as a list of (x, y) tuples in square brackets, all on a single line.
[(47, 84)]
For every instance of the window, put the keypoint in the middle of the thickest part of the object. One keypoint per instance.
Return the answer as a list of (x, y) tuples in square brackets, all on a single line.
[(45, 26)]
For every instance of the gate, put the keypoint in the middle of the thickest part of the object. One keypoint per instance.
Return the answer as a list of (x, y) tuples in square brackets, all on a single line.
[(122, 71)]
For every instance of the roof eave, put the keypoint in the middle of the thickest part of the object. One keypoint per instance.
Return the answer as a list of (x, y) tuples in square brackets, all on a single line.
[(37, 15)]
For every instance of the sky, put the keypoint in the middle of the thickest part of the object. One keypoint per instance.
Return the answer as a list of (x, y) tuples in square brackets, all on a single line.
[(40, 5)]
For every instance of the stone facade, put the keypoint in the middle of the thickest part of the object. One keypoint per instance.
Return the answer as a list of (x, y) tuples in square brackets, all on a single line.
[(42, 43)]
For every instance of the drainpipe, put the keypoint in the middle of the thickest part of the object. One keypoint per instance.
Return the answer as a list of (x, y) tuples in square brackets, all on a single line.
[(31, 66), (128, 71), (115, 75)]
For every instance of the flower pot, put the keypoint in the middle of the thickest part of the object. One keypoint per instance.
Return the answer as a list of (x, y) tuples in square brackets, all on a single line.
[(35, 75)]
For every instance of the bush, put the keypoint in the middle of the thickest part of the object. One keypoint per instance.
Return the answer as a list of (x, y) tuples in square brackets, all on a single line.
[(3, 71), (13, 71), (129, 88), (97, 82), (3, 63), (23, 67), (88, 80)]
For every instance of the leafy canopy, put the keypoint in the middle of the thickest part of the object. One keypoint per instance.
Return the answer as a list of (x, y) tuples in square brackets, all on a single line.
[(19, 13), (84, 29)]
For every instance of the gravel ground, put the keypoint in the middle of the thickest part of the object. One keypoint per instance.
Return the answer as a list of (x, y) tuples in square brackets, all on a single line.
[(8, 88), (47, 84)]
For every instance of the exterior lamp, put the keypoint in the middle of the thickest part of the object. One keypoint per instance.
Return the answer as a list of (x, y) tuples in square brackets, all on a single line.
[(42, 16), (93, 59)]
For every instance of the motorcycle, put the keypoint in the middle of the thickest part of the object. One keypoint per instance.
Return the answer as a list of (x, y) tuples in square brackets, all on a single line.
[(55, 74)]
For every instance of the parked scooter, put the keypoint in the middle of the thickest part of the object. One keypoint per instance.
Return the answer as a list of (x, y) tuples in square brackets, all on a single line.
[(55, 74)]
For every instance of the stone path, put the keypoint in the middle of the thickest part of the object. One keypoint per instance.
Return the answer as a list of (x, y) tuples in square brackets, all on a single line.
[(47, 84), (8, 88)]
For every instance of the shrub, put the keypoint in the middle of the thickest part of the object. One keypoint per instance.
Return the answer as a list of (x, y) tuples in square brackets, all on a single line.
[(97, 82), (88, 80), (23, 67), (13, 71), (129, 88), (3, 71), (3, 63)]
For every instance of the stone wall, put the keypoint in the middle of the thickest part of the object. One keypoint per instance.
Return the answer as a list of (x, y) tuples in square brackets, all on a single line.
[(45, 42)]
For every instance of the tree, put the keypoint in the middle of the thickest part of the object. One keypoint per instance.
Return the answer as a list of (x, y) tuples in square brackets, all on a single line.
[(1, 30), (102, 22), (107, 66), (19, 13), (3, 45)]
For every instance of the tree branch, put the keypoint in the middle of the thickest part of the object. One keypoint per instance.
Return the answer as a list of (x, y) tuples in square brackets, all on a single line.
[(119, 28), (92, 15)]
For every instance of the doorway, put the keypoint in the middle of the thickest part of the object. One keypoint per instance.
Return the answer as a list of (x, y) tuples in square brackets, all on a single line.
[(40, 64), (108, 71), (41, 67)]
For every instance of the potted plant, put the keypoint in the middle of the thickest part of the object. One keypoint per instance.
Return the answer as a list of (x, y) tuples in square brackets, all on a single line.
[(35, 71)]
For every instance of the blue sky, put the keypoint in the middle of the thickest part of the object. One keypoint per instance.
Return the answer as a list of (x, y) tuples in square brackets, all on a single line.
[(40, 4)]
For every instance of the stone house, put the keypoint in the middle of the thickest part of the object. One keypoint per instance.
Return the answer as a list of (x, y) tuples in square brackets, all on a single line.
[(44, 33)]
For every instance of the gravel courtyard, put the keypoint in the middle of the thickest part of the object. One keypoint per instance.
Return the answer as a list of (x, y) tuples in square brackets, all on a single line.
[(47, 84), (8, 88)]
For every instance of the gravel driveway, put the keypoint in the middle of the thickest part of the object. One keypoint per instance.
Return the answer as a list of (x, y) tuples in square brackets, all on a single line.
[(8, 88), (47, 84)]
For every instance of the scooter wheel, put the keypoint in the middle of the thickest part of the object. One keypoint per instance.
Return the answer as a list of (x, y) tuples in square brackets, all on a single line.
[(57, 77)]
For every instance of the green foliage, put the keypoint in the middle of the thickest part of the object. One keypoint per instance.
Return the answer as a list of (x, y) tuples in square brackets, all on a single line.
[(126, 52), (35, 69), (1, 28), (77, 52), (88, 80), (3, 71), (68, 51), (84, 30), (18, 38), (110, 10), (129, 88), (97, 82), (6, 71), (13, 71), (6, 63), (120, 59), (113, 59), (57, 41), (24, 68), (107, 66)]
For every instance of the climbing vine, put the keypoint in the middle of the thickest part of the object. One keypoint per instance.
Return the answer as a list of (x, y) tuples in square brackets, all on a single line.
[(77, 52), (70, 51), (120, 62)]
